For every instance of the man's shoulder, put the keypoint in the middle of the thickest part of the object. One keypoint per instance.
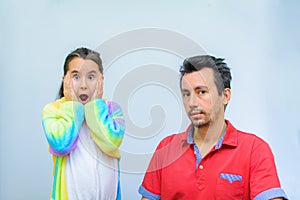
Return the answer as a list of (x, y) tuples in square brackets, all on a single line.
[(173, 138), (249, 137), (244, 136)]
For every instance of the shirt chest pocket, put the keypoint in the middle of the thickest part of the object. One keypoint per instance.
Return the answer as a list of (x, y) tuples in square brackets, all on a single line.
[(229, 187)]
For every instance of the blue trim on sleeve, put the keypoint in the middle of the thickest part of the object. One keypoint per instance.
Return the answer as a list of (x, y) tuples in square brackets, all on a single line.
[(119, 183), (147, 194), (271, 193)]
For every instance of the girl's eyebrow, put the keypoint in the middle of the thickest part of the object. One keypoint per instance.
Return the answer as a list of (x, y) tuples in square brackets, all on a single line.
[(74, 72), (93, 71)]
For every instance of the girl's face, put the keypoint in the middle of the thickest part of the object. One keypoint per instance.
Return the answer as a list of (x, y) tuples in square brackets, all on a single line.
[(85, 80)]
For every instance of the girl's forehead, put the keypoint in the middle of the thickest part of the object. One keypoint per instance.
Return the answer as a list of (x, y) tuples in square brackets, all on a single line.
[(83, 65)]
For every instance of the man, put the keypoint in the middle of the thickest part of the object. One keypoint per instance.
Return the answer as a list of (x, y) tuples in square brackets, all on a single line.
[(211, 159)]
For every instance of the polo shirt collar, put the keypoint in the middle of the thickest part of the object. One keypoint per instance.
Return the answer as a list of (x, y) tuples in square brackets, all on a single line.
[(231, 138), (228, 138), (190, 139)]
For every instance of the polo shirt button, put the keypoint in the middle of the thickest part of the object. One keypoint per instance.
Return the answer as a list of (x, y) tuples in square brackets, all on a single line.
[(201, 167)]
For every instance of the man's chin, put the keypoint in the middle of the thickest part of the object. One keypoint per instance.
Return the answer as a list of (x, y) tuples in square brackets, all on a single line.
[(200, 123)]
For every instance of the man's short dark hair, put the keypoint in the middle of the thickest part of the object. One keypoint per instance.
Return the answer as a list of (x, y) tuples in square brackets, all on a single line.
[(222, 73)]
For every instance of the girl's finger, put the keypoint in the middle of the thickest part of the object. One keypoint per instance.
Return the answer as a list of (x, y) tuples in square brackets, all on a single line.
[(96, 89), (71, 88)]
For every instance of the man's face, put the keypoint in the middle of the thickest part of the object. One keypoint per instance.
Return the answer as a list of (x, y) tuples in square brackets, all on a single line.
[(201, 100), (85, 75)]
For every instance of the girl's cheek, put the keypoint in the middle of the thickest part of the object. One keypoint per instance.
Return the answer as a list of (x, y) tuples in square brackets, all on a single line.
[(75, 86)]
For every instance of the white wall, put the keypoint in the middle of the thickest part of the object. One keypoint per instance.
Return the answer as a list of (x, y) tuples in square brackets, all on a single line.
[(259, 39)]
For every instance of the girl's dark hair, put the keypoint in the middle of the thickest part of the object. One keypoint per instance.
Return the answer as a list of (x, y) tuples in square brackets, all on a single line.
[(85, 54), (222, 73)]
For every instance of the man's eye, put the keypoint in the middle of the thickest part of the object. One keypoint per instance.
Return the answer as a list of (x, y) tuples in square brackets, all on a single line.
[(185, 95), (76, 76), (202, 92)]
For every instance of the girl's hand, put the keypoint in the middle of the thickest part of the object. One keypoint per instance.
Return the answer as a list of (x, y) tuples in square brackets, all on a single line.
[(99, 88), (68, 88)]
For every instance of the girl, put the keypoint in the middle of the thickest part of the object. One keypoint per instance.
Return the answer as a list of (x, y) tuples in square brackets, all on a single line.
[(84, 133)]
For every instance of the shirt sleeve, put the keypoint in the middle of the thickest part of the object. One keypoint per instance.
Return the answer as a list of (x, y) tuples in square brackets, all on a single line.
[(151, 185), (61, 123), (106, 123), (264, 181)]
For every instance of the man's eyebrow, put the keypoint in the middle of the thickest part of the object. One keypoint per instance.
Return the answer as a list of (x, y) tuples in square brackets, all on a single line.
[(201, 87), (185, 90)]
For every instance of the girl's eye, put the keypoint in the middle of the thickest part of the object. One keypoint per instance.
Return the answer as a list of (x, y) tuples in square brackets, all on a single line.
[(91, 77), (76, 76)]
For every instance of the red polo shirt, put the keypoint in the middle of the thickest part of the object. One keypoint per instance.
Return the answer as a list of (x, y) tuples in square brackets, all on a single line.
[(239, 166)]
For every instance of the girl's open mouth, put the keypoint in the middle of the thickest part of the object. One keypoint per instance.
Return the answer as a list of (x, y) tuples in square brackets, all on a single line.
[(83, 97)]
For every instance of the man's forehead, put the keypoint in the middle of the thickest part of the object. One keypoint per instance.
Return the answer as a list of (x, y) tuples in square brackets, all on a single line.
[(205, 74), (203, 77)]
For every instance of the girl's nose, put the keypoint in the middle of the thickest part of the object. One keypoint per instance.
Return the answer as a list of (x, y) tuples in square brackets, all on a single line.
[(83, 84)]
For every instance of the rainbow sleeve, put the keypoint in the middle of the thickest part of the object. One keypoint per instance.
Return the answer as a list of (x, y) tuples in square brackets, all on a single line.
[(106, 123), (61, 121)]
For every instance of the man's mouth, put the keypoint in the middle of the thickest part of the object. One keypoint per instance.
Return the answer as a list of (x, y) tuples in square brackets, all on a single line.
[(196, 111), (83, 97)]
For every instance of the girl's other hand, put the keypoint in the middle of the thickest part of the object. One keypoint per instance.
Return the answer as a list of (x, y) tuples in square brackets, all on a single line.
[(68, 88), (99, 88)]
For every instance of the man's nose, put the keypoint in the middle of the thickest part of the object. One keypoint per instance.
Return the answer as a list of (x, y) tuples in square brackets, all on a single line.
[(193, 100)]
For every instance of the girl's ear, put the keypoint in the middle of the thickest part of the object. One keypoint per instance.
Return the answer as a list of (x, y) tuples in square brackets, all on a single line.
[(64, 77), (101, 76)]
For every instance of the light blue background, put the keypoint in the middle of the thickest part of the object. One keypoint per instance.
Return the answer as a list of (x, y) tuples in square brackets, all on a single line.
[(259, 39)]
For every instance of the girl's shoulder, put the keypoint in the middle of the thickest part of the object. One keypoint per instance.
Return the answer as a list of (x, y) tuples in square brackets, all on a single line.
[(56, 103)]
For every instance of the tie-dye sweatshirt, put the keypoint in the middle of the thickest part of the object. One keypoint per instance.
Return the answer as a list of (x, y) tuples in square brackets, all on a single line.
[(84, 141)]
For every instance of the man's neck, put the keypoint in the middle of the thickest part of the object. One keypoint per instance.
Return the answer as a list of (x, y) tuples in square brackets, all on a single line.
[(207, 136)]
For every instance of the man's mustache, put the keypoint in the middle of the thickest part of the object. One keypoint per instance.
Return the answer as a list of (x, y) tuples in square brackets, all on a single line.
[(196, 111)]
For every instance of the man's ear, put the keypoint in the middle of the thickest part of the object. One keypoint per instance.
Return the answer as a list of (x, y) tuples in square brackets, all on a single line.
[(227, 95)]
